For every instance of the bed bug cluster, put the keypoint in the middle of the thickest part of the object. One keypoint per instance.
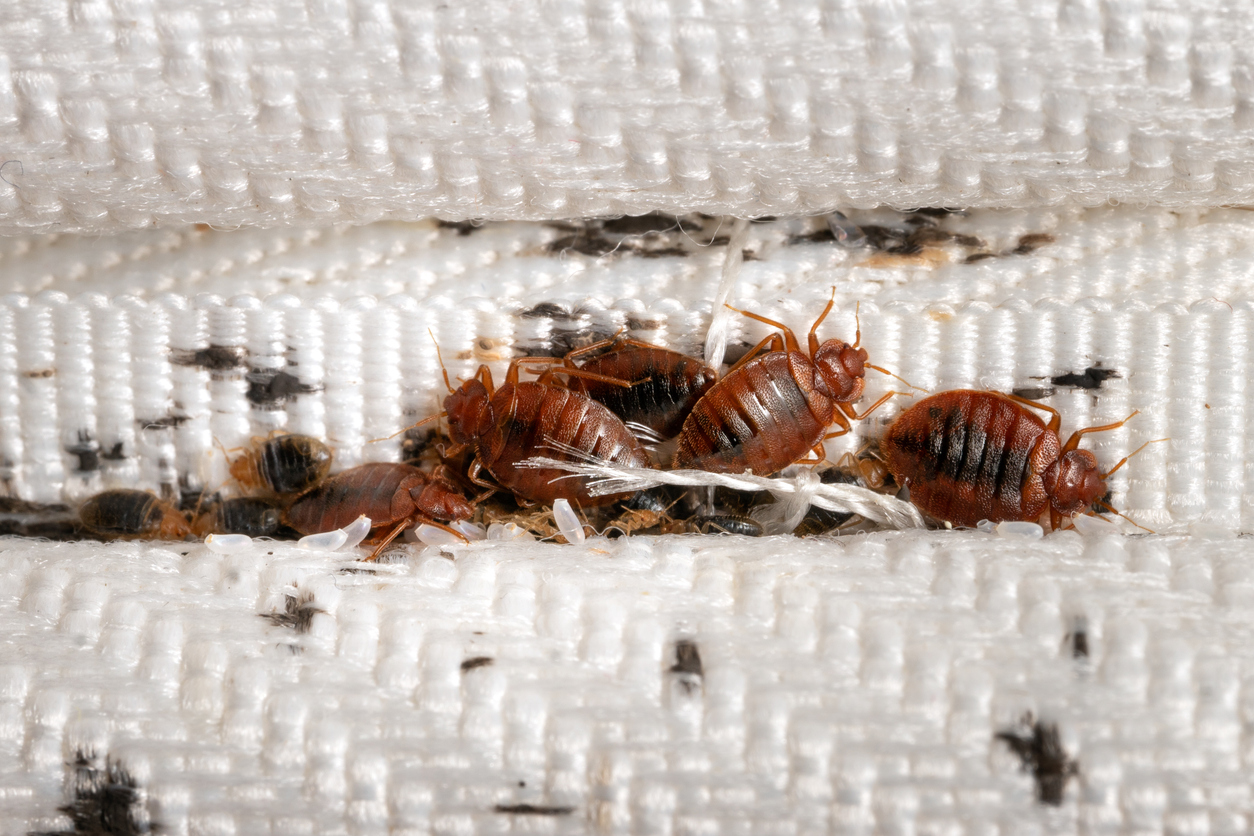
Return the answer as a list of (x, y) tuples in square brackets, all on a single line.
[(963, 456)]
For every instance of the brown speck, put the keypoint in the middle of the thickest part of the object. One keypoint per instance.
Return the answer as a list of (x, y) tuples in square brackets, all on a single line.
[(40, 373)]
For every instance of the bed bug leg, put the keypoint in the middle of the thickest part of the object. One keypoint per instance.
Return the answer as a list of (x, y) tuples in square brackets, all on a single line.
[(1055, 420), (790, 339), (853, 415), (771, 343), (814, 329), (1074, 441)]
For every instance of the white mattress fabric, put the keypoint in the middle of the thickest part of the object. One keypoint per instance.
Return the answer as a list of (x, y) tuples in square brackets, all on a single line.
[(255, 182), (896, 682), (131, 114)]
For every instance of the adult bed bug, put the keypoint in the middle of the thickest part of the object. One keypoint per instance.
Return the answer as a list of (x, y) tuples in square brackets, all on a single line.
[(285, 465), (390, 494), (668, 384), (535, 418), (124, 514), (771, 409), (969, 456)]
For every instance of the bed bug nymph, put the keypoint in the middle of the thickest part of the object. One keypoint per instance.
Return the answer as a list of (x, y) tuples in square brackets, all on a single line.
[(251, 515), (124, 514), (284, 465), (532, 418), (969, 456), (390, 494), (668, 384), (773, 408)]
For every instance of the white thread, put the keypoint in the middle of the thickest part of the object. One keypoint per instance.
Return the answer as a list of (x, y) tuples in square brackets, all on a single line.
[(716, 335), (851, 499)]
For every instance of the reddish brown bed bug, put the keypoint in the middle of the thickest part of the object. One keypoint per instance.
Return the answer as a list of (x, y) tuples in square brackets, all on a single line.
[(124, 514), (668, 384), (390, 494), (284, 465), (969, 456), (525, 419), (771, 409)]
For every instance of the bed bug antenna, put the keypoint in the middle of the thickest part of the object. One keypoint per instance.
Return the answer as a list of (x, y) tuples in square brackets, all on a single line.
[(1124, 516), (1124, 460), (439, 357), (882, 370)]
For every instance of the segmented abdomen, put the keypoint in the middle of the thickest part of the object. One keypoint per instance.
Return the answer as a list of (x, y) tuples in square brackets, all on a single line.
[(534, 419), (758, 418), (969, 456), (123, 513), (379, 490), (674, 384), (290, 464)]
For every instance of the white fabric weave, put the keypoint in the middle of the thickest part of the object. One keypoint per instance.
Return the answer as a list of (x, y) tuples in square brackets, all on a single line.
[(124, 115)]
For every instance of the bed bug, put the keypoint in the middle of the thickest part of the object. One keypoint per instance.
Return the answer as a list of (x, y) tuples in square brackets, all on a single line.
[(533, 418), (773, 408), (969, 456), (668, 384), (124, 514), (725, 524), (285, 465), (390, 494), (251, 515)]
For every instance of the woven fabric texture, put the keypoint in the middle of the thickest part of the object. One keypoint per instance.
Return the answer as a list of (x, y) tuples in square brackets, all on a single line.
[(123, 115)]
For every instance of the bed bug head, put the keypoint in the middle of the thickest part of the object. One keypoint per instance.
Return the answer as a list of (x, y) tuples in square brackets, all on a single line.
[(1074, 482), (465, 408), (841, 370)]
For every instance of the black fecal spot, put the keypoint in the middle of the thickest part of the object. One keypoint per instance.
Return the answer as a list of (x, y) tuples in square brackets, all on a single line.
[(1090, 378), (13, 505), (1040, 751), (664, 252), (640, 224), (87, 451), (687, 658), (116, 453), (1079, 640), (895, 241), (162, 423), (584, 243), (1032, 242), (972, 259), (298, 613), (765, 219), (819, 236), (462, 227), (533, 810), (477, 662), (107, 800), (215, 358), (268, 388), (547, 310), (1033, 394), (938, 211)]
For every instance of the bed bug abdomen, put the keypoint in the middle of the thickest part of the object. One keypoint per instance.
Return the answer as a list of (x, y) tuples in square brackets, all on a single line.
[(130, 514), (286, 465), (969, 456), (668, 385), (763, 417)]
